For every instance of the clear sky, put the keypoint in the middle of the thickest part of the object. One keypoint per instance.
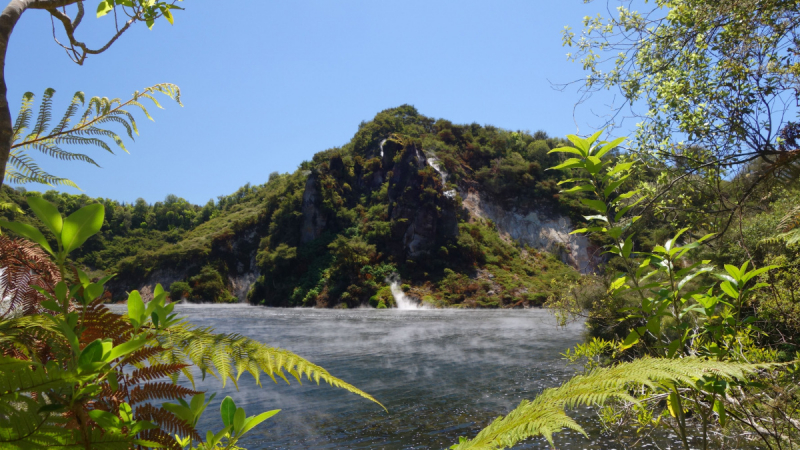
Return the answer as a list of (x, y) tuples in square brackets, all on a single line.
[(266, 84)]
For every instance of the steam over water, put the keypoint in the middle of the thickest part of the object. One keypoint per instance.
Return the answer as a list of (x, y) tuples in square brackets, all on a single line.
[(441, 373)]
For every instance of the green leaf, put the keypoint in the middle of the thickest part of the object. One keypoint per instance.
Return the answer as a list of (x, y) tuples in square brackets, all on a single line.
[(228, 410), (135, 309), (126, 348), (627, 247), (734, 271), (569, 164), (238, 421), (252, 422), (621, 167), (654, 325), (673, 404), (47, 213), (91, 353), (81, 225), (630, 341), (572, 150), (719, 408), (613, 186), (584, 188), (594, 137), (580, 143), (597, 205), (609, 146), (104, 8), (28, 232), (728, 288)]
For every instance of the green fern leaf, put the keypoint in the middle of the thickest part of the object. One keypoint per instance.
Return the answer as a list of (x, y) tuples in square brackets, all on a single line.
[(546, 414), (24, 116), (45, 112), (77, 99), (231, 355)]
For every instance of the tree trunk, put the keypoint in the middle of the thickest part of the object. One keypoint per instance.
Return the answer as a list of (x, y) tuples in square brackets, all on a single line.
[(8, 19)]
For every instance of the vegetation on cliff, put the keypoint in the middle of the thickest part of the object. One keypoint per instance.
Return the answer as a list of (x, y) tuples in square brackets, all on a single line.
[(332, 232)]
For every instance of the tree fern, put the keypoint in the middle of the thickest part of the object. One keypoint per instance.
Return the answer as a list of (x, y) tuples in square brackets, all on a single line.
[(88, 130), (228, 356), (789, 228), (546, 414)]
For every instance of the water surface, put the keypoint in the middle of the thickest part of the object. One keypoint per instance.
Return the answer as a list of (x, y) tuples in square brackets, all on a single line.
[(441, 373)]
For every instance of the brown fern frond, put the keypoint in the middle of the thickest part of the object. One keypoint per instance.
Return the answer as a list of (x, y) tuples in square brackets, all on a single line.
[(155, 372), (152, 391), (162, 437), (23, 264), (99, 323), (142, 355), (166, 421)]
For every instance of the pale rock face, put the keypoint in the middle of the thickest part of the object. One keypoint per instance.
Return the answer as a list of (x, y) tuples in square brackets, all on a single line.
[(533, 228)]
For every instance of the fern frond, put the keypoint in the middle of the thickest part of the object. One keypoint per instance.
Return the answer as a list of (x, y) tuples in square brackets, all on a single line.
[(119, 120), (23, 264), (155, 372), (170, 90), (546, 414), (23, 117), (790, 221), (166, 421), (153, 391), (71, 110), (45, 112), (54, 152), (233, 353)]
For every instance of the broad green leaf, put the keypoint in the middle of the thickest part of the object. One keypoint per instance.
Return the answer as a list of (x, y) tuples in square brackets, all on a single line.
[(584, 188), (654, 325), (609, 146), (28, 232), (594, 137), (47, 213), (227, 409), (719, 408), (728, 288), (613, 186), (104, 8), (135, 309), (91, 353), (252, 422), (182, 412), (597, 217), (126, 348), (158, 290), (580, 143), (238, 421), (753, 273), (597, 205), (673, 404), (572, 150), (569, 164), (630, 341), (81, 225), (621, 167), (734, 271), (627, 247)]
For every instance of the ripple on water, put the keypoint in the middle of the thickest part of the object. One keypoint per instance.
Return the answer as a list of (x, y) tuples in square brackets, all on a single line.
[(441, 373)]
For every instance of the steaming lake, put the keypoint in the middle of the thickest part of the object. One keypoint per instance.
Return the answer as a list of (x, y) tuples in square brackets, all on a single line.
[(441, 373)]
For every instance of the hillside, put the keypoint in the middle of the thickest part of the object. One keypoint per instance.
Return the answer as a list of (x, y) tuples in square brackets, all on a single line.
[(464, 215)]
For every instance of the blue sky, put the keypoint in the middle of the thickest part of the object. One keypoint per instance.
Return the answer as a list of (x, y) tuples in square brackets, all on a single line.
[(267, 84)]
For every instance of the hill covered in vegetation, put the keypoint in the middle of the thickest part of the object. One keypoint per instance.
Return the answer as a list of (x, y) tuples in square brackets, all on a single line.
[(459, 214)]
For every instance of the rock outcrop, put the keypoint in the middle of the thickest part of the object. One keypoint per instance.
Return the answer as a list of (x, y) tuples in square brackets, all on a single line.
[(536, 229)]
